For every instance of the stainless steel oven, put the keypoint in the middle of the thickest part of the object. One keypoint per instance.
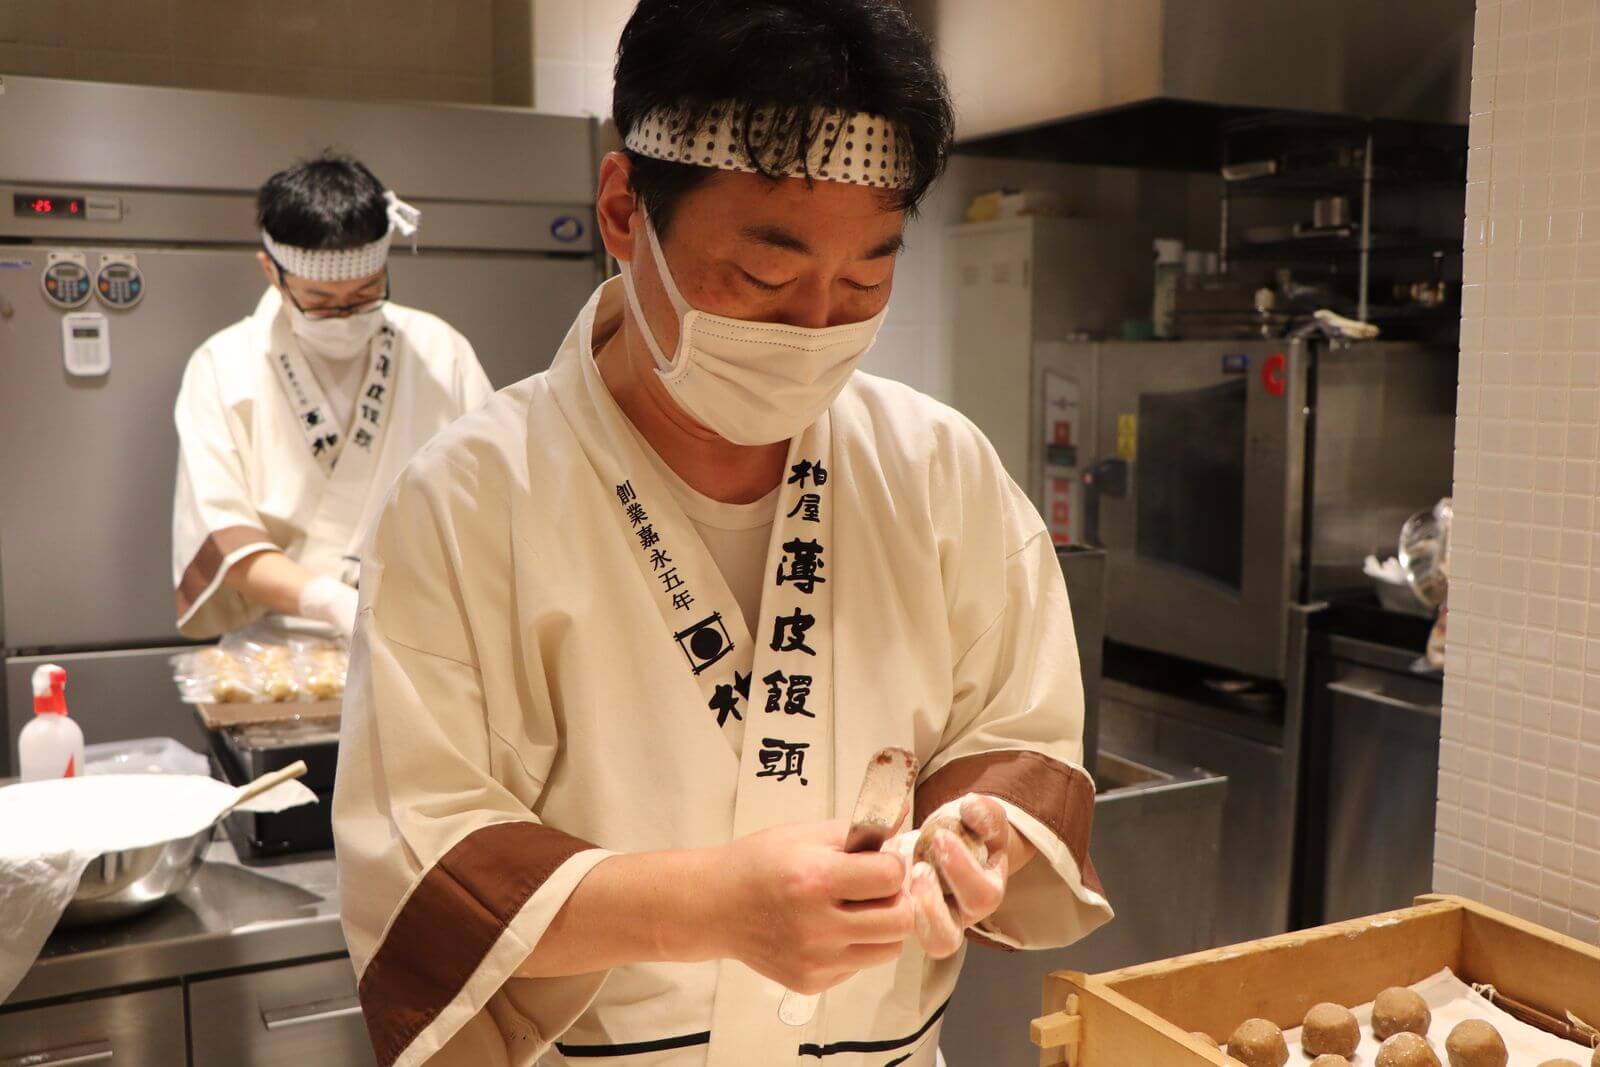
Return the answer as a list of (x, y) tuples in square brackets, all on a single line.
[(1228, 481)]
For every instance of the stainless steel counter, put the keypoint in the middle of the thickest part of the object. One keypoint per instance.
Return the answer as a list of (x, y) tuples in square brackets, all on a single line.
[(231, 917)]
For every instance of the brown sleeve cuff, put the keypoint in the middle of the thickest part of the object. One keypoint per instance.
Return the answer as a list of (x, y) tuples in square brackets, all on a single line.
[(449, 923), (202, 569), (1057, 794)]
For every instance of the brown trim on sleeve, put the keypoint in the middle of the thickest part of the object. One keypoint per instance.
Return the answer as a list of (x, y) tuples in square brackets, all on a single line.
[(449, 923), (202, 570), (1059, 795)]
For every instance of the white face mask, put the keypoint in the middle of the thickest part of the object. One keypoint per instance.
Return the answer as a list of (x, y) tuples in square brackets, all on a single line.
[(337, 338), (754, 383)]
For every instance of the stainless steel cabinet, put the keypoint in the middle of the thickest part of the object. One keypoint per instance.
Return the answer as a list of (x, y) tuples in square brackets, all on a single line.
[(1258, 816), (288, 1016), (132, 1030), (1370, 794)]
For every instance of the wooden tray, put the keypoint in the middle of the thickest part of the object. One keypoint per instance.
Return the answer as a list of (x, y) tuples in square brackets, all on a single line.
[(216, 716), (1141, 1016)]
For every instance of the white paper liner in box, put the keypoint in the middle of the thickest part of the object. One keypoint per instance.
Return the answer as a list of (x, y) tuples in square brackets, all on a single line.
[(1452, 1001), (50, 831)]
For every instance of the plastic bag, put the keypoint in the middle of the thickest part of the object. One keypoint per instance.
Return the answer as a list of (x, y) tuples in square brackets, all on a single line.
[(245, 668), (145, 755)]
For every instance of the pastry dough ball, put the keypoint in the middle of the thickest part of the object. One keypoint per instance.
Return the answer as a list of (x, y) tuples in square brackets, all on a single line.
[(1475, 1043), (1204, 1038), (1400, 1010), (1258, 1043), (1330, 1028), (324, 685), (923, 852), (1406, 1049), (231, 690), (1330, 1060), (279, 686)]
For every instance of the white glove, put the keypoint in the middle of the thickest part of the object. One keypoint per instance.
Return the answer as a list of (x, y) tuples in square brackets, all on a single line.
[(331, 601)]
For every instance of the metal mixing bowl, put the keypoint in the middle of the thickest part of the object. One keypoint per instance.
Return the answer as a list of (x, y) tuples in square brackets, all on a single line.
[(117, 885)]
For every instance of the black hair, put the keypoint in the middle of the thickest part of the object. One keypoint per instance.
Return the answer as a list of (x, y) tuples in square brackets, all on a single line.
[(332, 201), (789, 55)]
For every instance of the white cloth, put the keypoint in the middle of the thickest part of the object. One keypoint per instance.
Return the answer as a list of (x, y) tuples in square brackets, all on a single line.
[(859, 148), (1452, 1001), (50, 831), (247, 479), (522, 703), (347, 264)]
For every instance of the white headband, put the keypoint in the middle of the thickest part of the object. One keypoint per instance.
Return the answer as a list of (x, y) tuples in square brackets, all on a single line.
[(861, 149), (346, 264)]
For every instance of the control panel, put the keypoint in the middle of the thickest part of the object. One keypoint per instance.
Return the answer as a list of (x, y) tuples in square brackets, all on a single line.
[(118, 283), (65, 280), (86, 343)]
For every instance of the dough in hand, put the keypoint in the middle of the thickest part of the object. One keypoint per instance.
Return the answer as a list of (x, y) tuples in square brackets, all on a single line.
[(1406, 1049), (1330, 1028), (1258, 1043), (1330, 1060), (1475, 1043), (924, 851), (1400, 1010)]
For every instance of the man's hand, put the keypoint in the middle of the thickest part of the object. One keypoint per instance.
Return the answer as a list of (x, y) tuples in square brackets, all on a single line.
[(976, 890), (805, 913)]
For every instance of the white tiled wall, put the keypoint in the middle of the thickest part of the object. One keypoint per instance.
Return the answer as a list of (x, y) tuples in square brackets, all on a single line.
[(1519, 781), (574, 49)]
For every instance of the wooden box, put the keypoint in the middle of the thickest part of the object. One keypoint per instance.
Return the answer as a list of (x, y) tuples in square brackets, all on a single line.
[(1142, 1016), (216, 716)]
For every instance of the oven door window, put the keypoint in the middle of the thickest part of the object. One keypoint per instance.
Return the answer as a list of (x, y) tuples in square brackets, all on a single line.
[(1189, 484)]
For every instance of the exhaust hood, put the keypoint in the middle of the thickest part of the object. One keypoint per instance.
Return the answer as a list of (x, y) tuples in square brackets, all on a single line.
[(1147, 82)]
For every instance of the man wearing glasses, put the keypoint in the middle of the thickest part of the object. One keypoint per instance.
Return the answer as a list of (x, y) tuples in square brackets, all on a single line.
[(293, 422)]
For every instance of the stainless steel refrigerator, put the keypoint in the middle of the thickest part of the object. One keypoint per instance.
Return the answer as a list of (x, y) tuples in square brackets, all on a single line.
[(136, 205)]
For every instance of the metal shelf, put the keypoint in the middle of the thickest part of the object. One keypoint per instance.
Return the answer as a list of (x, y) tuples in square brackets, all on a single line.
[(1304, 248), (1336, 181)]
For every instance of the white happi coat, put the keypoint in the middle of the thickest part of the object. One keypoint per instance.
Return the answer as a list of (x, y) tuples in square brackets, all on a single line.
[(549, 669), (264, 464)]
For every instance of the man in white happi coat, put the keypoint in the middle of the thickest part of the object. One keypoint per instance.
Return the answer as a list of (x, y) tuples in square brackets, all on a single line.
[(294, 421), (632, 631)]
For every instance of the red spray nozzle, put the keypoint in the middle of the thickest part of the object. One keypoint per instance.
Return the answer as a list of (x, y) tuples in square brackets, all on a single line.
[(50, 690)]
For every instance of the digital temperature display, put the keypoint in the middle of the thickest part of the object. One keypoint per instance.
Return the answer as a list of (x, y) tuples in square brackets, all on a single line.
[(47, 206)]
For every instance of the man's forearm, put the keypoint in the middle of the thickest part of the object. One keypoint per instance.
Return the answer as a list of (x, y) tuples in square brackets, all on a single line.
[(646, 907), (270, 579)]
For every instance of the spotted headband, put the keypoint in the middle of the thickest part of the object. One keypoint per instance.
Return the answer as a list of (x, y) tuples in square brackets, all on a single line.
[(861, 149), (345, 264)]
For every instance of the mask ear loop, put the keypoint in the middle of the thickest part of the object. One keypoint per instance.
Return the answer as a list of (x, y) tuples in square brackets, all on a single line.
[(679, 305)]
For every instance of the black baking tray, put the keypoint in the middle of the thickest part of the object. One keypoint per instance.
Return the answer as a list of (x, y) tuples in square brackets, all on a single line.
[(266, 747), (260, 835)]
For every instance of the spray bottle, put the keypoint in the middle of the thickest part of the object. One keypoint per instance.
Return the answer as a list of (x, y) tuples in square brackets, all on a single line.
[(51, 746)]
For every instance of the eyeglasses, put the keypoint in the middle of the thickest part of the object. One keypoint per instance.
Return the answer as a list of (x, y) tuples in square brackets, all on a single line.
[(340, 312)]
